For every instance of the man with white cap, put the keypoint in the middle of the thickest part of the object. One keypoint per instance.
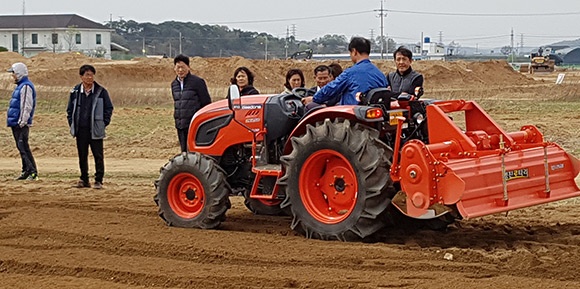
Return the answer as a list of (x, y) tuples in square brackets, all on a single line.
[(19, 118)]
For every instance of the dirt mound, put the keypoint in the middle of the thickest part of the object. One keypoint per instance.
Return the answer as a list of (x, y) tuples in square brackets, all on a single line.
[(7, 58), (440, 74), (49, 60), (61, 70)]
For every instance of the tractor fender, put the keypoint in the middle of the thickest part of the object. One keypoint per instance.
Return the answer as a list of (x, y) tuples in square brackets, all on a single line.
[(354, 113)]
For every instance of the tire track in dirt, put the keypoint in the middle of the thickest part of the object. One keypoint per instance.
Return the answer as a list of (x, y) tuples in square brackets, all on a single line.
[(137, 279), (122, 227), (470, 259)]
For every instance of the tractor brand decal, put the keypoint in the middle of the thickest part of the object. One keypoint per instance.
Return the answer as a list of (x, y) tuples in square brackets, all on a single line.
[(393, 117), (516, 174), (557, 167), (252, 106), (253, 120)]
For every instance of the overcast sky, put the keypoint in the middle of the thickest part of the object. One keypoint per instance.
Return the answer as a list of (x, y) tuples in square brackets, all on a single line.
[(468, 22)]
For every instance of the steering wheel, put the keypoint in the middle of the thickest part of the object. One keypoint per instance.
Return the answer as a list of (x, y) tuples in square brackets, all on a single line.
[(300, 92)]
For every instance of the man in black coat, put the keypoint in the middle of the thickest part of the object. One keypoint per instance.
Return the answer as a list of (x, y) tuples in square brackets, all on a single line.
[(89, 112), (189, 95)]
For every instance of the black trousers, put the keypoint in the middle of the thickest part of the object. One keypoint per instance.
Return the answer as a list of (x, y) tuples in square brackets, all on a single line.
[(84, 141), (21, 137), (182, 135)]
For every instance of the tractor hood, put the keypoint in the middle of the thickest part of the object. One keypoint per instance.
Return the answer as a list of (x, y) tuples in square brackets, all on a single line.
[(223, 103)]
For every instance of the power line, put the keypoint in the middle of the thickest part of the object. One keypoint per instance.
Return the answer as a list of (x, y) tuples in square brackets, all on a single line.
[(294, 19), (485, 14), (481, 37), (552, 36)]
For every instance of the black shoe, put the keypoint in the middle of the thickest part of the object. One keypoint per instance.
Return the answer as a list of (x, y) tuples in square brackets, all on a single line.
[(82, 184), (23, 176)]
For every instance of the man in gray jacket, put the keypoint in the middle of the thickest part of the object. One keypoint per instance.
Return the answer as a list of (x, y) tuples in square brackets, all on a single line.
[(89, 111)]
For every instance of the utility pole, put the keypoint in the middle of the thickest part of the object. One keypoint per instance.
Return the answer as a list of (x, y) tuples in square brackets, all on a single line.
[(422, 43), (23, 13), (286, 43), (143, 50), (522, 43), (266, 49), (372, 36), (512, 48), (382, 15), (387, 43), (294, 31), (180, 42), (441, 37)]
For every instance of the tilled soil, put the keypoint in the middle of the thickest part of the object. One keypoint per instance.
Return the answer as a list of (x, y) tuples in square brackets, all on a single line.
[(56, 236)]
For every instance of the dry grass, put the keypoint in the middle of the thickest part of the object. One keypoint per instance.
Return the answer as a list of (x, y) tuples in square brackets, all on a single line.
[(142, 124)]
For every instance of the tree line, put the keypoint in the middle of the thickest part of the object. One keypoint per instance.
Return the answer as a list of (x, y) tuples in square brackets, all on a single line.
[(193, 39)]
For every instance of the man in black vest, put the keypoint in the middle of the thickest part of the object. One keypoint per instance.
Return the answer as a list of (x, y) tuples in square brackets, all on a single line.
[(189, 95), (405, 79)]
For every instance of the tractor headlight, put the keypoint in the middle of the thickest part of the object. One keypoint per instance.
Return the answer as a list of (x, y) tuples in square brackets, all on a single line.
[(419, 118)]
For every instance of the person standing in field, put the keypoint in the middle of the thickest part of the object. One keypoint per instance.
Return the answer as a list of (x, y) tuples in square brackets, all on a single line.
[(19, 118), (89, 112), (189, 95)]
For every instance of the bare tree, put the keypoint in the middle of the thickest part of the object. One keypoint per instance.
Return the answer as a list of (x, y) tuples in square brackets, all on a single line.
[(70, 37)]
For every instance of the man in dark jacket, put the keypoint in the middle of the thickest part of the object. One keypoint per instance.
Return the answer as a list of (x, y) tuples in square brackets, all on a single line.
[(189, 95), (405, 79), (19, 118), (89, 111)]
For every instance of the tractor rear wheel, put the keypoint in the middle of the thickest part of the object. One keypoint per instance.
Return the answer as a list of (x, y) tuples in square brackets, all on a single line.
[(261, 206), (334, 180), (192, 192)]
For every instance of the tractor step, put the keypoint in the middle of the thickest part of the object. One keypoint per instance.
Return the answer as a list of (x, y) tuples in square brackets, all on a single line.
[(265, 171), (268, 170)]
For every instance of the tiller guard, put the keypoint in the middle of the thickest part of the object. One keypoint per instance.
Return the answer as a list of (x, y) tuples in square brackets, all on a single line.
[(482, 170)]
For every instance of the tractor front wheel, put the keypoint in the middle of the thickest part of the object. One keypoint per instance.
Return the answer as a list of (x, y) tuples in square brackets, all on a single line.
[(192, 192)]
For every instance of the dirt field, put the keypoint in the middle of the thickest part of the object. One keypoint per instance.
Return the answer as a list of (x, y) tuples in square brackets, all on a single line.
[(56, 236)]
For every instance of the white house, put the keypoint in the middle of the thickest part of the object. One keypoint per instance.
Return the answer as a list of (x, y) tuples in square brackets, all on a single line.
[(32, 34), (432, 50)]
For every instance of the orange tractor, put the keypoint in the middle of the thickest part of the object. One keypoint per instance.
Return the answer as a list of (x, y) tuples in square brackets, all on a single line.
[(345, 172)]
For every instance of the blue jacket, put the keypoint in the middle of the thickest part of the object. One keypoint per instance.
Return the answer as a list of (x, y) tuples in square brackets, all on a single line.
[(17, 107), (361, 77)]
